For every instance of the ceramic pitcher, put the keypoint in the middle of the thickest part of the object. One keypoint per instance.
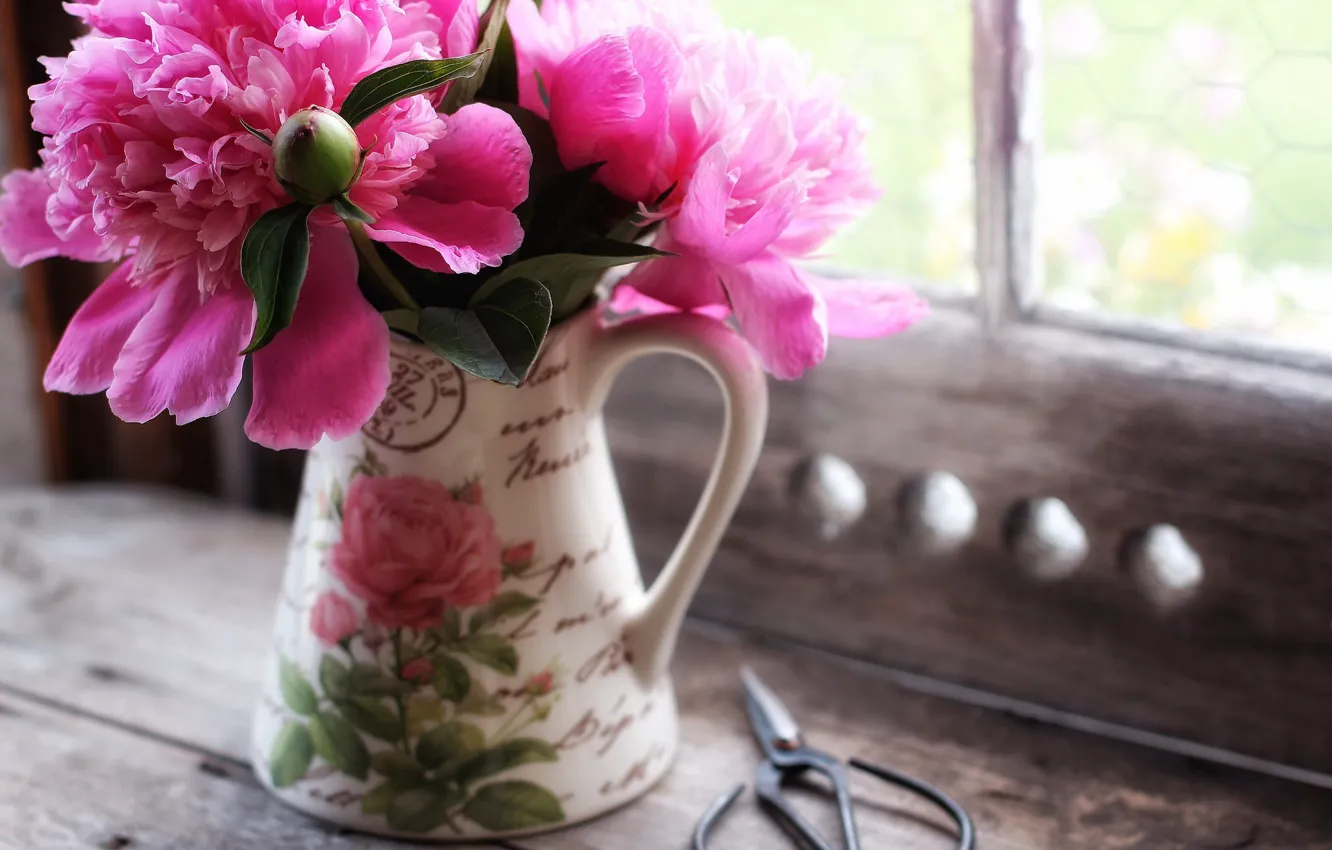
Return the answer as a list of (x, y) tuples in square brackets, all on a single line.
[(464, 646)]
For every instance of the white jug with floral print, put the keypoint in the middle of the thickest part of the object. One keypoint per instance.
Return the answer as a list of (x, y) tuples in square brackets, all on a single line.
[(464, 645)]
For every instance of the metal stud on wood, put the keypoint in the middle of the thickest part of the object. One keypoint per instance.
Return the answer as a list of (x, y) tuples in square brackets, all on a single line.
[(937, 514), (1046, 539), (1164, 566), (828, 494)]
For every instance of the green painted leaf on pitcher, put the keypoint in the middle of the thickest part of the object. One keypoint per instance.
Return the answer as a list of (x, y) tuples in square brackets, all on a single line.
[(338, 743), (506, 756), (451, 680), (422, 810), (511, 603), (372, 717), (292, 753), (397, 767), (494, 651), (449, 742), (298, 694), (334, 677), (509, 806)]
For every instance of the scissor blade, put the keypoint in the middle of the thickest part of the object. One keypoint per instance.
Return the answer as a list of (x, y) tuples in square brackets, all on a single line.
[(772, 719)]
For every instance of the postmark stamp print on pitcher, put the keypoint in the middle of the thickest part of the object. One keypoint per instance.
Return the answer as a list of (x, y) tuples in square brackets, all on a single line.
[(415, 622), (426, 398)]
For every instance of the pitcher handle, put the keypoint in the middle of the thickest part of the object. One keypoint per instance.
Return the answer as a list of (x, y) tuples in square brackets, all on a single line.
[(653, 627)]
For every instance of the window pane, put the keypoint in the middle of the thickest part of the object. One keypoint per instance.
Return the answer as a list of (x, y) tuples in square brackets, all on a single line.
[(1188, 170), (907, 67)]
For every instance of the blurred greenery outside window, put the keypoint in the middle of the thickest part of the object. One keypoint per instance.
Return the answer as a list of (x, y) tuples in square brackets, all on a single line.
[(1186, 175)]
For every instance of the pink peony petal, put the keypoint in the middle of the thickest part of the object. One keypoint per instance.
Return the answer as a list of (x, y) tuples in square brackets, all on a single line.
[(781, 316), (702, 223), (460, 19), (686, 282), (461, 238), (328, 373), (866, 309), (25, 234), (627, 301), (610, 103), (184, 355), (84, 362), (482, 157)]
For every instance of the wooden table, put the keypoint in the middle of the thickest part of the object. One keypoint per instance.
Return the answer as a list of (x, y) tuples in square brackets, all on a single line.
[(132, 626)]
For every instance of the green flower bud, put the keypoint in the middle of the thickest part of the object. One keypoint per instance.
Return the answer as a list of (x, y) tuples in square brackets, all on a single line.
[(316, 156)]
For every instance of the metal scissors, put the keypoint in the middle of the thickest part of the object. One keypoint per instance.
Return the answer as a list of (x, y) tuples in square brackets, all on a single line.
[(787, 756)]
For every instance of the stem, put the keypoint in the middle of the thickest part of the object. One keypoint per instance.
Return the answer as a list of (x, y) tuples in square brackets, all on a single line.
[(504, 730), (397, 697), (370, 255)]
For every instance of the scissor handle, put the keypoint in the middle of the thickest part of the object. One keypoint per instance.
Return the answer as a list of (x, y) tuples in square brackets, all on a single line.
[(966, 829), (768, 787), (771, 778)]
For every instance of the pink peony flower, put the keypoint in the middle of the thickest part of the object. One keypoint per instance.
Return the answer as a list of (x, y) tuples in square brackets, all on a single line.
[(145, 160), (418, 670), (333, 619), (762, 162), (410, 550)]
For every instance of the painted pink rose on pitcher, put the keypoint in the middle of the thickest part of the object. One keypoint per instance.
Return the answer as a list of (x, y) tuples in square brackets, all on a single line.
[(333, 619), (411, 551)]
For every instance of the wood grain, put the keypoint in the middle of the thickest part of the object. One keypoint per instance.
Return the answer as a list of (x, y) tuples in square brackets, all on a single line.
[(132, 629), (1127, 433)]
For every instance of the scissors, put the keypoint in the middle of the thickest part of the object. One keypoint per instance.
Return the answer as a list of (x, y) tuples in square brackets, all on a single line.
[(786, 756)]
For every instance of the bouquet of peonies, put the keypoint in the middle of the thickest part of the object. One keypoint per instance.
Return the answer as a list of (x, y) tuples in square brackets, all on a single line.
[(294, 180)]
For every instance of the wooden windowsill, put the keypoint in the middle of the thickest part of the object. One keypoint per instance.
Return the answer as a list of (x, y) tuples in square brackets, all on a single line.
[(132, 627)]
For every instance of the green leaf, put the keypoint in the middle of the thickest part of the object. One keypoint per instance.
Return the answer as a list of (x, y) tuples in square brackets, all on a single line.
[(350, 212), (508, 604), (338, 743), (292, 753), (296, 691), (423, 713), (334, 676), (480, 702), (506, 756), (373, 718), (422, 810), (452, 681), (379, 799), (410, 78), (510, 806), (494, 651), (401, 768), (274, 260), (495, 24), (498, 340), (258, 134), (552, 269), (448, 742), (371, 680)]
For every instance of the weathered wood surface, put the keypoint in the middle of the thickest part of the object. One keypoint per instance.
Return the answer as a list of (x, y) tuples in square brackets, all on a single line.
[(132, 627), (1127, 433)]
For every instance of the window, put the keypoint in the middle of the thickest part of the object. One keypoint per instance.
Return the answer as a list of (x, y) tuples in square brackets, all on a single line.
[(1133, 423)]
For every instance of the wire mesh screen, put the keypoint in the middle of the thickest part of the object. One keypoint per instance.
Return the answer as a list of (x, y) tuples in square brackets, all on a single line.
[(1187, 175), (907, 67)]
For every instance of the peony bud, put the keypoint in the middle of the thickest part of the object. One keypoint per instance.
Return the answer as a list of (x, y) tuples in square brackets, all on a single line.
[(316, 156)]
